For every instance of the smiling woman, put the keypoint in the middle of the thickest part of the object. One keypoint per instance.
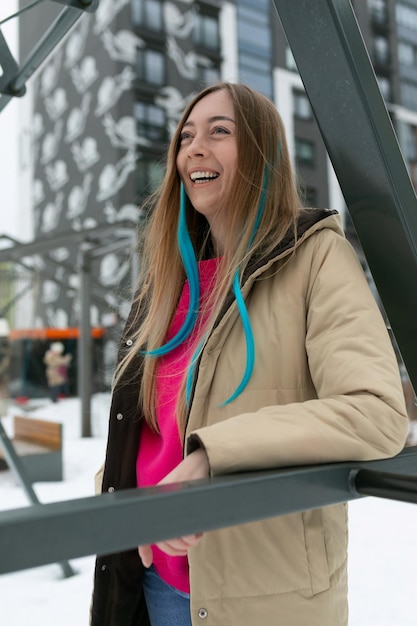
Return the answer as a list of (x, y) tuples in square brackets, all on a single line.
[(245, 349)]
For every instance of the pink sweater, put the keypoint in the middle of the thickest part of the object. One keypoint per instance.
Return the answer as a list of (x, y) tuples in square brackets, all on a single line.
[(159, 453)]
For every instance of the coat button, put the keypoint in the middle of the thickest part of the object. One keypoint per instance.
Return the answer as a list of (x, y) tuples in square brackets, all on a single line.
[(119, 416), (110, 489), (129, 342), (202, 613), (103, 568)]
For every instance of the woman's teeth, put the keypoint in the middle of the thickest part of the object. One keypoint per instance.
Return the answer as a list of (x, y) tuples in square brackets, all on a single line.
[(202, 177)]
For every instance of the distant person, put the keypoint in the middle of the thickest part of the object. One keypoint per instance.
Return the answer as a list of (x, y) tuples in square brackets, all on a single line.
[(253, 343), (57, 370)]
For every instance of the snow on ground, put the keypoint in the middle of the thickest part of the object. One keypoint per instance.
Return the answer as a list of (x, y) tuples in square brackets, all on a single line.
[(383, 540)]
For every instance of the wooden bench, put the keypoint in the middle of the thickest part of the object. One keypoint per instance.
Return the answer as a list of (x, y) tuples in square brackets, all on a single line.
[(39, 445)]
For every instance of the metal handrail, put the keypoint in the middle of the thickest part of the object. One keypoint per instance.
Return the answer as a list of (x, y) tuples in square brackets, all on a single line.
[(401, 487), (53, 532)]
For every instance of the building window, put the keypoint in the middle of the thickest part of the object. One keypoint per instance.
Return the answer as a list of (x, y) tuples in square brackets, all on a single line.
[(302, 108), (310, 197), (409, 142), (207, 76), (406, 16), (151, 66), (378, 10), (290, 63), (149, 175), (305, 152), (407, 54), (409, 95), (255, 49), (385, 87), (381, 50), (254, 29), (206, 32), (151, 121), (255, 71), (259, 82), (260, 5), (147, 14)]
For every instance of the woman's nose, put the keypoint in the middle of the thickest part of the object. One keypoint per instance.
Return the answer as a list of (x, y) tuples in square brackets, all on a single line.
[(197, 147)]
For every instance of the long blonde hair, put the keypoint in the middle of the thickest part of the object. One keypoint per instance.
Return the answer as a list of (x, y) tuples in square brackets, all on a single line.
[(262, 147)]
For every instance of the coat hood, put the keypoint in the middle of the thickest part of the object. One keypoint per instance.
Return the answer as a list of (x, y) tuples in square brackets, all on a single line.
[(309, 221)]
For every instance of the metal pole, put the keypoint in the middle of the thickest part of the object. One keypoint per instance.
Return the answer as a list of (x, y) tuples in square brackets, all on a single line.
[(16, 465), (84, 341), (9, 67), (340, 82), (83, 5), (15, 87), (58, 29), (385, 485)]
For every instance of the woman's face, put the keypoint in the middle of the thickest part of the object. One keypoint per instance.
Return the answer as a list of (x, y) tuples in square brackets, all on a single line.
[(207, 158)]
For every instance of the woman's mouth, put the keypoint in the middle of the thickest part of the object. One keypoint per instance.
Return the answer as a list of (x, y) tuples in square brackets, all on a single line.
[(202, 176)]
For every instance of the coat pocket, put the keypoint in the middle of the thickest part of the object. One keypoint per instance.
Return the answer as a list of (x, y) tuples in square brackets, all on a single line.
[(316, 549), (271, 557)]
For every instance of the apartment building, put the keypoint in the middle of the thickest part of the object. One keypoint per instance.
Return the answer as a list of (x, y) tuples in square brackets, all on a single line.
[(106, 101)]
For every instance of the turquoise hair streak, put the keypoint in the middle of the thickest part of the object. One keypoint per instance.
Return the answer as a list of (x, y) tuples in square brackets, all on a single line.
[(243, 312), (189, 261), (244, 315)]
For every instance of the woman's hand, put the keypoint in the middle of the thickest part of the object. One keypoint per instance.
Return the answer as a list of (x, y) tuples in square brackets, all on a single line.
[(194, 466)]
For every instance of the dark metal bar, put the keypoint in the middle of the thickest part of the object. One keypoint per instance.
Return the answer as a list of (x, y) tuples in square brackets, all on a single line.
[(340, 82), (85, 367), (385, 485), (119, 521), (51, 264), (58, 29), (4, 101), (8, 64), (83, 5), (44, 244), (9, 68), (13, 84), (15, 463)]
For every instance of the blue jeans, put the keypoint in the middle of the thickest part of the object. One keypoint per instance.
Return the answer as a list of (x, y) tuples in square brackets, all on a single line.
[(167, 606)]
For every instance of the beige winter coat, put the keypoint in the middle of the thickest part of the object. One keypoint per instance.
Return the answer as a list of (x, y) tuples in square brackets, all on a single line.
[(325, 388)]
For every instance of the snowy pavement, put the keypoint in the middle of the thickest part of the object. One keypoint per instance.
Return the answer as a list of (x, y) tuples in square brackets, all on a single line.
[(383, 541)]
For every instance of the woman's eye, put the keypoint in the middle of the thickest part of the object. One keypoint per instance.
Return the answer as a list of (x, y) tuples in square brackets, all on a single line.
[(184, 136), (220, 130)]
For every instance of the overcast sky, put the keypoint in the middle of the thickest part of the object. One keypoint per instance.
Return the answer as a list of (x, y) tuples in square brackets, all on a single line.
[(9, 136)]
